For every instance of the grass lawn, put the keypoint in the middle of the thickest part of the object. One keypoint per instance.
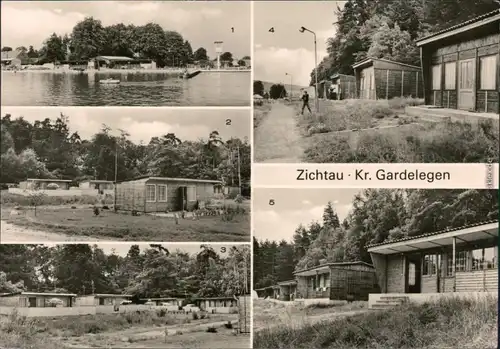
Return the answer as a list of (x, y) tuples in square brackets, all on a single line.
[(392, 136), (449, 323), (260, 112), (355, 114), (269, 314), (118, 226), (37, 333), (221, 339)]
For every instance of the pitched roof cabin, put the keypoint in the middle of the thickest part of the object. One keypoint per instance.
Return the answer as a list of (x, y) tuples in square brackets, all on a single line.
[(378, 78), (461, 65), (452, 261), (337, 281), (163, 194), (37, 299)]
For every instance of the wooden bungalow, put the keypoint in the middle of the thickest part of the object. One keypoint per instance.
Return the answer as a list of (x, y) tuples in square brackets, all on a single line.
[(264, 292), (162, 194), (337, 281), (461, 65), (287, 290), (102, 299), (460, 260), (346, 86), (37, 299), (96, 184), (42, 184), (217, 304), (166, 301), (378, 78)]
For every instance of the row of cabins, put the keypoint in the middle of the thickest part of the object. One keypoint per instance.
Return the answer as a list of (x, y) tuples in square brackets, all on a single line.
[(34, 303), (460, 69), (165, 194), (461, 262), (64, 184), (144, 194), (334, 281)]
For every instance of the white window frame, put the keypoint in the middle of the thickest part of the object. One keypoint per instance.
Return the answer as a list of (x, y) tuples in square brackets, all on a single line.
[(436, 78), (488, 75), (452, 84), (187, 193), (158, 193), (147, 192)]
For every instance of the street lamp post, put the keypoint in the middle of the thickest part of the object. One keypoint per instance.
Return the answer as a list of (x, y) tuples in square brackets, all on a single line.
[(290, 75), (304, 29)]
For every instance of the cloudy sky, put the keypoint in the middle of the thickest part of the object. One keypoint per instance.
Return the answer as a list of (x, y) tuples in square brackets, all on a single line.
[(293, 207), (145, 123), (27, 23), (123, 248), (287, 50)]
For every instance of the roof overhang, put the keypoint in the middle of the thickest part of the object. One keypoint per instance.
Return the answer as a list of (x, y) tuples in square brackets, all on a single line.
[(48, 180), (322, 269), (363, 63), (185, 180), (48, 294), (453, 32), (445, 239), (287, 283)]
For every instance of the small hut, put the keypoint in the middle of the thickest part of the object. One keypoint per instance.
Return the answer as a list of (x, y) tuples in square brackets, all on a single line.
[(378, 78), (162, 194)]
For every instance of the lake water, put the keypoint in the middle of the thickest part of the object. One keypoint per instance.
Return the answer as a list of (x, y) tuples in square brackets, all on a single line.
[(136, 89)]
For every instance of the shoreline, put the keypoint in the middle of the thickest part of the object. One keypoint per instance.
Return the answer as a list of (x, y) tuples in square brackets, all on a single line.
[(123, 71)]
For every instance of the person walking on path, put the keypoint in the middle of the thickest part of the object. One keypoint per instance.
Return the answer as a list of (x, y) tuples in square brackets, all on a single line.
[(305, 102)]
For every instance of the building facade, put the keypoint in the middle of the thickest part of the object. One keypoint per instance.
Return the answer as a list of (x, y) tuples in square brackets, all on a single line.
[(385, 79), (161, 194), (461, 65), (461, 260)]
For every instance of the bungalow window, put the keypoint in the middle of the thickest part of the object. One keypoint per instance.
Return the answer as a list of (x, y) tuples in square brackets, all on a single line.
[(430, 262), (450, 75), (162, 193), (151, 193), (483, 258), (191, 194), (488, 72), (436, 77)]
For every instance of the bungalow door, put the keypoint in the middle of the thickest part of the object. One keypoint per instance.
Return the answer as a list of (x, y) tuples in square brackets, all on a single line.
[(466, 84), (413, 274), (182, 197)]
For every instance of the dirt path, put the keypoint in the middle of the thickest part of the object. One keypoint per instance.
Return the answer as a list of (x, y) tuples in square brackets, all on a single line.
[(277, 139), (14, 233)]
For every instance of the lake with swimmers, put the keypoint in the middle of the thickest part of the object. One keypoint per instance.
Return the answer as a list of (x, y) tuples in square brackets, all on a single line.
[(158, 88)]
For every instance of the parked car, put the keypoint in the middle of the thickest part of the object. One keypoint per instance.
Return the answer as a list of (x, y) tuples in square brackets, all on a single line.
[(149, 302), (191, 308), (124, 302)]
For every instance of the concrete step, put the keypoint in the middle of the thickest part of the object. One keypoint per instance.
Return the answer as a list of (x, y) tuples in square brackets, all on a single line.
[(390, 302), (444, 114), (392, 298), (429, 117), (383, 306)]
